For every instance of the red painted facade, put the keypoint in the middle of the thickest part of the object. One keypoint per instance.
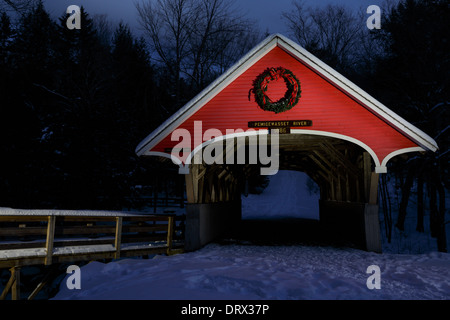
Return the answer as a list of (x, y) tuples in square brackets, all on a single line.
[(330, 109)]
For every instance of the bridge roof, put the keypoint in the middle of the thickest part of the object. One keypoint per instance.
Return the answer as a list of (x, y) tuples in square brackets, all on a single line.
[(336, 106)]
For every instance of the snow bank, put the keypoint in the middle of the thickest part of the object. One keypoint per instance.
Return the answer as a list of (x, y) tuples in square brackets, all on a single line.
[(234, 272)]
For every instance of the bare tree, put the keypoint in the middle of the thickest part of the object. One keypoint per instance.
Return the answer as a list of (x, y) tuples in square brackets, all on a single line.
[(241, 44), (103, 27), (332, 32), (168, 24), (218, 27), (18, 6), (192, 37)]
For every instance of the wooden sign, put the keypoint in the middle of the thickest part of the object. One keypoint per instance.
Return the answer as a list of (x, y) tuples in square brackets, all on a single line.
[(284, 127), (281, 130), (280, 124)]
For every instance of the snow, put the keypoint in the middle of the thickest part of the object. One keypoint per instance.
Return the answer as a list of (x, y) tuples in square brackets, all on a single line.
[(83, 249), (17, 253), (235, 272), (54, 212), (244, 271), (41, 252), (287, 195)]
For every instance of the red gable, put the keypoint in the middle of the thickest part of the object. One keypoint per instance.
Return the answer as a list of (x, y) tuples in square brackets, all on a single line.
[(336, 107)]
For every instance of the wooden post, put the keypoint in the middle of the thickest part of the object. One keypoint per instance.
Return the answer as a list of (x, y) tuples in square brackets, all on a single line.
[(189, 188), (170, 227), (118, 237), (358, 192), (372, 228), (373, 189), (181, 189), (49, 240), (347, 188), (371, 219), (367, 169), (338, 187), (12, 283), (15, 291)]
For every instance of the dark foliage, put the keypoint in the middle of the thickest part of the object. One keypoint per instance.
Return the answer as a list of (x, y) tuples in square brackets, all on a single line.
[(73, 109)]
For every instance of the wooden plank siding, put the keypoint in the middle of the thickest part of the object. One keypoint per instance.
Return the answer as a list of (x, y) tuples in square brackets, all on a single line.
[(329, 108)]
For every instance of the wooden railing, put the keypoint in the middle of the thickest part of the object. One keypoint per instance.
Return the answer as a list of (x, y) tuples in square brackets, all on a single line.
[(50, 239)]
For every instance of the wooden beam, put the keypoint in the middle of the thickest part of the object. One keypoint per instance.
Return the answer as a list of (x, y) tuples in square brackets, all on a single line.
[(325, 160), (189, 187), (339, 157), (347, 188), (373, 191), (50, 239), (194, 169), (118, 237), (15, 290), (367, 172), (321, 166), (44, 281), (9, 284), (201, 188), (170, 228), (338, 187)]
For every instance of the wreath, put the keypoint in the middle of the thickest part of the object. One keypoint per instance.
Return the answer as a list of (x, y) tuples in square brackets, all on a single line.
[(291, 96)]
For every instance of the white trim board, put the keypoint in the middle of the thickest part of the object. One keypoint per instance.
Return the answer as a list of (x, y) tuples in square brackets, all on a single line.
[(380, 167)]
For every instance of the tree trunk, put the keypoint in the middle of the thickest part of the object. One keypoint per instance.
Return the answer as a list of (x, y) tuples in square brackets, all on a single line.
[(420, 210), (441, 234), (433, 210), (386, 208), (406, 190)]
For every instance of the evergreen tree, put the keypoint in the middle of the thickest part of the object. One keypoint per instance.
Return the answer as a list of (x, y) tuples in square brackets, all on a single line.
[(133, 93), (29, 69), (414, 70)]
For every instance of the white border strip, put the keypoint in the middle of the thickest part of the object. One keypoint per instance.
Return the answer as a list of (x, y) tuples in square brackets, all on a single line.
[(379, 167), (400, 151)]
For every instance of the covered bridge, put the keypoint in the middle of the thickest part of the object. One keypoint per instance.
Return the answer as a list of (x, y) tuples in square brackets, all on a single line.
[(279, 107)]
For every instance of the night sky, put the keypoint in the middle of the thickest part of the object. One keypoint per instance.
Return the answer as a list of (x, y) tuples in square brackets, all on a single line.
[(266, 12)]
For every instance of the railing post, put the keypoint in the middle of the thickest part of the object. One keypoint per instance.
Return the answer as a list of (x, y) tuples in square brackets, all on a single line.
[(15, 290), (49, 240), (118, 237), (14, 284), (170, 227)]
